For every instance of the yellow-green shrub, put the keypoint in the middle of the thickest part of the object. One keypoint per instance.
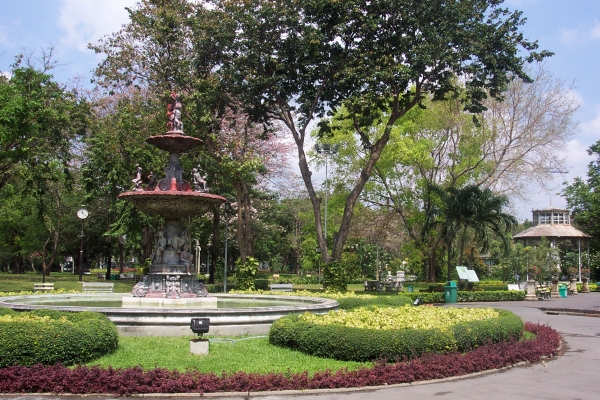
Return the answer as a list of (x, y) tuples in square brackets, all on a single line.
[(353, 343)]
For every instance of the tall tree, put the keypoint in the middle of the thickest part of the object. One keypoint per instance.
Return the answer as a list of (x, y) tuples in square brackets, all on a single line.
[(513, 143), (583, 198), (40, 120), (295, 60)]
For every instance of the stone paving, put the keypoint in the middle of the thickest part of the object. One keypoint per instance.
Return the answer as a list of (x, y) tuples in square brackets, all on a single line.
[(573, 375)]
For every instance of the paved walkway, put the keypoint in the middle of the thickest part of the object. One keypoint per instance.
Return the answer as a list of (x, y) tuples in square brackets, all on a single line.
[(574, 375)]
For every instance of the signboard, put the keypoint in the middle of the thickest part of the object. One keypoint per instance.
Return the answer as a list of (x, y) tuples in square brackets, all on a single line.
[(472, 276), (462, 272)]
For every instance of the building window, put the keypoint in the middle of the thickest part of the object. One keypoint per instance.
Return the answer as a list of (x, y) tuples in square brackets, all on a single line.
[(545, 218)]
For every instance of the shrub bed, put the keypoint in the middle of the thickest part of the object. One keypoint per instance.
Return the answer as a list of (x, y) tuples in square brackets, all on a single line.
[(466, 296), (86, 380), (358, 344), (351, 303), (49, 337)]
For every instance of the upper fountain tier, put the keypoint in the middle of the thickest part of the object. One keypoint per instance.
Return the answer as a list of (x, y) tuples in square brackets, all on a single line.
[(174, 142), (172, 197)]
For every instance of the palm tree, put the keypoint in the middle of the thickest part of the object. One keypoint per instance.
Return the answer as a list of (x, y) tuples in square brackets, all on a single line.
[(471, 207)]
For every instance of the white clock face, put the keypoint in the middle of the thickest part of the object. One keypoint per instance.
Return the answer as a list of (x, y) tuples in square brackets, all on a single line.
[(82, 213)]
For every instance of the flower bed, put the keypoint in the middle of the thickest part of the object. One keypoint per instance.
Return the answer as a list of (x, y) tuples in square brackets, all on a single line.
[(351, 343), (87, 380)]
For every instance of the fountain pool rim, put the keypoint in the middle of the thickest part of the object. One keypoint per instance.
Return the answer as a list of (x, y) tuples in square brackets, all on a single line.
[(176, 321)]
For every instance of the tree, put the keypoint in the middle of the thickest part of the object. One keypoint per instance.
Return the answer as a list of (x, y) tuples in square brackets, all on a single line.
[(583, 198), (180, 46), (296, 60), (40, 121), (471, 207), (512, 143)]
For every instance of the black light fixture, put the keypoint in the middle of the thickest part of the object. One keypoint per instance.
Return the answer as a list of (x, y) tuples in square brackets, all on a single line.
[(200, 326), (418, 301)]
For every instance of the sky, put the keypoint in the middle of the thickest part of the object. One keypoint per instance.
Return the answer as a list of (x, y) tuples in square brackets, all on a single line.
[(569, 28)]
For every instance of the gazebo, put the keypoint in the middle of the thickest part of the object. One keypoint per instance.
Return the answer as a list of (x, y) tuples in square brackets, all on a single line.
[(555, 225)]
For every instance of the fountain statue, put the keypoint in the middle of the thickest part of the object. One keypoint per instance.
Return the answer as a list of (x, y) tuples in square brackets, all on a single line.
[(172, 276)]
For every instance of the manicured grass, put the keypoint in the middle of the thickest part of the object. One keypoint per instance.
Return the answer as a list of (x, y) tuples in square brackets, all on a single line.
[(61, 280), (246, 354)]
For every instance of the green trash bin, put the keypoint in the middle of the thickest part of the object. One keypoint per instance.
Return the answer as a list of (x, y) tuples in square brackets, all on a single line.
[(451, 292), (113, 277), (410, 288), (562, 289)]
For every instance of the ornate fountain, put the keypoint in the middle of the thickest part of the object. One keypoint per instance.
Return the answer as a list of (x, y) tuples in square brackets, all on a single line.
[(172, 276)]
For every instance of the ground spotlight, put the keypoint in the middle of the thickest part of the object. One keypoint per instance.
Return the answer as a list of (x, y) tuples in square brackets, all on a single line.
[(417, 302)]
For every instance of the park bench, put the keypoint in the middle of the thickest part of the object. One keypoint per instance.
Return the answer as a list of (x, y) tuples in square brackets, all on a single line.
[(373, 285), (101, 276), (127, 277), (43, 287), (281, 287), (95, 287), (542, 291)]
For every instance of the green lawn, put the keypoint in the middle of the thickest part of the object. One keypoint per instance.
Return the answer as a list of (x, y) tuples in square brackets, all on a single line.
[(245, 354), (64, 280)]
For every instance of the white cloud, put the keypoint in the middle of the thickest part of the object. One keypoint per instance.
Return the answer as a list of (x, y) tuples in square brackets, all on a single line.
[(577, 159), (86, 21), (591, 129), (575, 97), (570, 36), (582, 33), (595, 31)]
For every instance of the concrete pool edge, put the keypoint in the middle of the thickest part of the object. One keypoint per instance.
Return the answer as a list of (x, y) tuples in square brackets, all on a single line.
[(176, 322)]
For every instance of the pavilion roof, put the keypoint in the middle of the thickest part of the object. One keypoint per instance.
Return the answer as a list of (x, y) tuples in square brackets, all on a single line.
[(552, 231)]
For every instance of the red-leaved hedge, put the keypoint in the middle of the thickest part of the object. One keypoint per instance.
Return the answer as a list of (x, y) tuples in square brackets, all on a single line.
[(81, 380)]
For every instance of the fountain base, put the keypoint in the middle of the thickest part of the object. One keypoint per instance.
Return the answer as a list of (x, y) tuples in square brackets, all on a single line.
[(157, 302)]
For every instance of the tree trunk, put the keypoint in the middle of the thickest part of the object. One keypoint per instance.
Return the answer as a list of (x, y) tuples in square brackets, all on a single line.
[(121, 240), (108, 258), (213, 248), (244, 222)]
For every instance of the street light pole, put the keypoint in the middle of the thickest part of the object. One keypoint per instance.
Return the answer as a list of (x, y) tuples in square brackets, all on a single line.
[(82, 214), (227, 212), (327, 150)]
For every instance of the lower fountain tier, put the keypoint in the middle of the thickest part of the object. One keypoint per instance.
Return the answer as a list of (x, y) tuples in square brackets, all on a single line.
[(160, 302), (172, 204), (169, 286)]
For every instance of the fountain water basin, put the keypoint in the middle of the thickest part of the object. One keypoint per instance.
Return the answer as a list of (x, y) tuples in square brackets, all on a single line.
[(249, 315)]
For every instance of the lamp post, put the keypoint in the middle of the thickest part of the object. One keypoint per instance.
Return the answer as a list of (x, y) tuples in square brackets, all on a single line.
[(318, 250), (327, 150), (228, 210), (82, 214)]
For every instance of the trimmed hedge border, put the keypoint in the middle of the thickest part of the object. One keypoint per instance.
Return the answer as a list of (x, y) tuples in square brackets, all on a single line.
[(467, 296), (83, 337), (350, 303), (128, 381), (358, 344)]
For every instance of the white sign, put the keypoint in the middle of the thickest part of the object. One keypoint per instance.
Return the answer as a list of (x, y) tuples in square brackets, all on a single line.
[(472, 276), (462, 272)]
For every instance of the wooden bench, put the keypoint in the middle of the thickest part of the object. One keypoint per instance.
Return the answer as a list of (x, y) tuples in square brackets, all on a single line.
[(43, 287), (281, 287), (127, 277), (93, 287), (101, 276), (373, 285), (542, 291)]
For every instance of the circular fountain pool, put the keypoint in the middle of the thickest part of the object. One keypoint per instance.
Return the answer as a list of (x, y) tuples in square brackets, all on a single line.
[(235, 314)]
